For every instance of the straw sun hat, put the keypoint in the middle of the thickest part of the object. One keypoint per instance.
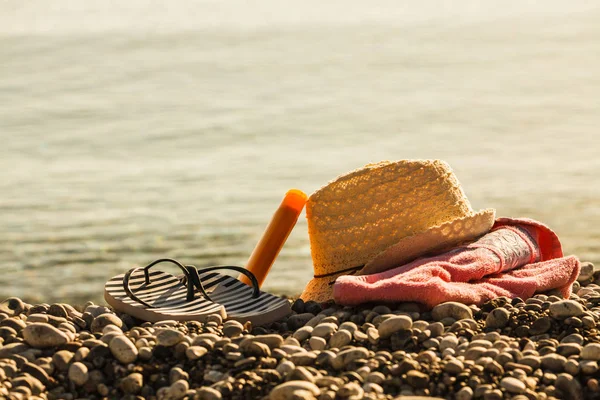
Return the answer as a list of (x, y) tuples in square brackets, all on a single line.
[(384, 215)]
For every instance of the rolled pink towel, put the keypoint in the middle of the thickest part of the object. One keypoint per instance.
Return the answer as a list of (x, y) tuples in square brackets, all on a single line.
[(518, 258)]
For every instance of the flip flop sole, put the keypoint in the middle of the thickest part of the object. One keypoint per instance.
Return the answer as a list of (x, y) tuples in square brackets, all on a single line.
[(165, 293), (239, 303)]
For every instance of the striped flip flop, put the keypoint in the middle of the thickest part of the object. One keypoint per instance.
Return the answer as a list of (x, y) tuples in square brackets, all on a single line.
[(157, 296), (242, 302)]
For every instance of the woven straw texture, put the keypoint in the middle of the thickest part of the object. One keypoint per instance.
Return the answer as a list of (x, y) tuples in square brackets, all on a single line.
[(386, 214)]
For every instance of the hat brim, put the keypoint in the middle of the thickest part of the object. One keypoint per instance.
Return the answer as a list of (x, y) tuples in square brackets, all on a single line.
[(433, 240)]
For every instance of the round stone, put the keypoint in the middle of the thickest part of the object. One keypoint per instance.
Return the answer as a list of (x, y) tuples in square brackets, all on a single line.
[(178, 389), (102, 320), (448, 342), (208, 393), (513, 385), (303, 333), (453, 310), (591, 351), (232, 329), (123, 349), (540, 326), (61, 359), (553, 362), (417, 379), (324, 329), (347, 356), (12, 306), (340, 339), (41, 335), (271, 340), (497, 318), (78, 373), (566, 308), (257, 349), (586, 272), (394, 324), (294, 390), (169, 337), (317, 343), (195, 352), (454, 367), (132, 383)]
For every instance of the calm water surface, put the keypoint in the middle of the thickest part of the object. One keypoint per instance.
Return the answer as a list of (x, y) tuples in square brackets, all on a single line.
[(131, 131)]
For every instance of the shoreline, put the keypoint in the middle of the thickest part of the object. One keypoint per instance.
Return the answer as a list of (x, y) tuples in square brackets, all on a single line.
[(542, 348)]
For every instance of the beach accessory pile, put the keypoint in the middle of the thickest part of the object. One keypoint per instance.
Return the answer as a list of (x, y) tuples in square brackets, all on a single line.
[(405, 231)]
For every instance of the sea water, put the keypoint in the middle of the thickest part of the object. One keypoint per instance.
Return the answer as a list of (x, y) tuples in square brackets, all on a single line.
[(143, 129)]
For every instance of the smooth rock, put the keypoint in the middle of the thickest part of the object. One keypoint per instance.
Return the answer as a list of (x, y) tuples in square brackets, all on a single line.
[(340, 339), (42, 335), (78, 373), (12, 349), (123, 349), (569, 386), (132, 383), (394, 324), (257, 349), (497, 318), (453, 310), (232, 329), (208, 393), (12, 306), (294, 390), (102, 320), (566, 308), (513, 385), (195, 352), (417, 379), (317, 343), (61, 359), (178, 389), (324, 330), (169, 337), (454, 367), (586, 272), (591, 351), (303, 333), (271, 340), (345, 357), (553, 362)]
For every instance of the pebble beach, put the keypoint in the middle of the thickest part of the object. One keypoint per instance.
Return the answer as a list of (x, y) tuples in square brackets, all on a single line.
[(545, 347)]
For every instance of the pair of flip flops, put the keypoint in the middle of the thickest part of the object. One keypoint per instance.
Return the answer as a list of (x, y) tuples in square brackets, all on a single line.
[(193, 296)]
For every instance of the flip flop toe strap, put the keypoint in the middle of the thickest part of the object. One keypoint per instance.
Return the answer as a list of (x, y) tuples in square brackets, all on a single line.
[(185, 280), (195, 277)]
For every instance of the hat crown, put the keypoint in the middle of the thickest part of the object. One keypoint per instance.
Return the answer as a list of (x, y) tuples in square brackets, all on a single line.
[(360, 214)]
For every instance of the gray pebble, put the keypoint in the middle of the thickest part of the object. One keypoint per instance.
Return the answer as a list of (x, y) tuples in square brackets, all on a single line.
[(78, 373), (101, 321), (512, 385), (195, 352), (497, 318), (123, 349), (208, 393), (394, 324), (294, 390), (132, 383), (324, 330), (42, 335), (591, 351), (169, 337), (566, 308), (453, 310), (340, 339), (232, 329)]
